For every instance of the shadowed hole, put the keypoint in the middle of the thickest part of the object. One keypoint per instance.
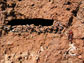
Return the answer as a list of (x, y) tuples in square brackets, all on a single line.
[(68, 9), (70, 21), (36, 22), (82, 38), (19, 0), (68, 3), (76, 10)]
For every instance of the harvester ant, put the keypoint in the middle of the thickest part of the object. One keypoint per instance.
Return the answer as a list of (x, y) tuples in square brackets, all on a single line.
[(70, 36)]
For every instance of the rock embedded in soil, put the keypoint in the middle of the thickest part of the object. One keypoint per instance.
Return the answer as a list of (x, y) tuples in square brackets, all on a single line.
[(78, 29), (32, 28)]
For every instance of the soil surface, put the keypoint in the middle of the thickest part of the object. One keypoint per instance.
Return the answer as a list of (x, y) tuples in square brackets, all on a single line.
[(41, 31)]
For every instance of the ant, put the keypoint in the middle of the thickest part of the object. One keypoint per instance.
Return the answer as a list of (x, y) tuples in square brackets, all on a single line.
[(70, 36)]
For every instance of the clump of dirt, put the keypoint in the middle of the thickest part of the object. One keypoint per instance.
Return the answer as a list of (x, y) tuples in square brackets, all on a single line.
[(38, 31)]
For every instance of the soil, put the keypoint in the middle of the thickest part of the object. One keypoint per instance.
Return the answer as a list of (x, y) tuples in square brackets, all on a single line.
[(41, 31)]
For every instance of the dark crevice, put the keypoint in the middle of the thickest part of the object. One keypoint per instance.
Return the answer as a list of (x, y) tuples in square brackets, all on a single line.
[(5, 0), (68, 9), (4, 5), (70, 21), (82, 38), (12, 5), (68, 3), (76, 10), (36, 22), (32, 4), (19, 0)]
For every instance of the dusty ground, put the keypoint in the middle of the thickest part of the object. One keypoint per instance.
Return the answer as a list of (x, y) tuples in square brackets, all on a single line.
[(42, 44)]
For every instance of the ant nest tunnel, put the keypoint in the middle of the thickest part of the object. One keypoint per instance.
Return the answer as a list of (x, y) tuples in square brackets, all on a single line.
[(33, 25)]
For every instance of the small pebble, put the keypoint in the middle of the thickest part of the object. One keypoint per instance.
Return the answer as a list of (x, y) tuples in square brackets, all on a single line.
[(80, 57)]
